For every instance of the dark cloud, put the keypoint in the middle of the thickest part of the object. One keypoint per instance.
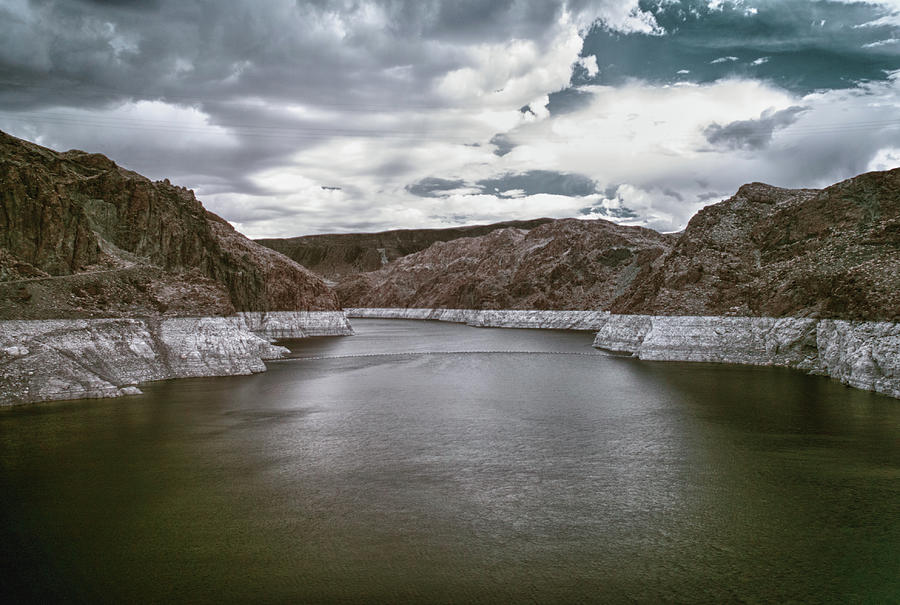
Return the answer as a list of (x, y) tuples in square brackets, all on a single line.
[(434, 187), (240, 63), (710, 195), (751, 134), (88, 53), (129, 4), (503, 144), (568, 100), (616, 212), (476, 20), (531, 182), (539, 181), (672, 193), (452, 219), (799, 45), (242, 99)]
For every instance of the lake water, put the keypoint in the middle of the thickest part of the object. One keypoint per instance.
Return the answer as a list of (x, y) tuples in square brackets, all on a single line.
[(402, 465)]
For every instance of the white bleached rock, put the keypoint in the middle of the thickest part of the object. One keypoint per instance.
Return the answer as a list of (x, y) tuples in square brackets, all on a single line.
[(279, 325), (42, 360), (864, 355), (494, 318)]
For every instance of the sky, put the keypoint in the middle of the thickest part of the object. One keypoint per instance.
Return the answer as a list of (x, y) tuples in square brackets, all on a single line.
[(294, 117)]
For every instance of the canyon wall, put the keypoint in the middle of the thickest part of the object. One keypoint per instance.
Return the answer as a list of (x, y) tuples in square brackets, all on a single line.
[(337, 255), (564, 264), (772, 252), (82, 237)]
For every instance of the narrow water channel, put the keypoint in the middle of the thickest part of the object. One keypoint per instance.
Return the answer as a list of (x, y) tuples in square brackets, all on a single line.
[(437, 463)]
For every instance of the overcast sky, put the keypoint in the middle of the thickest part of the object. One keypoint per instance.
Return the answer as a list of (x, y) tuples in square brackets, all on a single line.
[(291, 117)]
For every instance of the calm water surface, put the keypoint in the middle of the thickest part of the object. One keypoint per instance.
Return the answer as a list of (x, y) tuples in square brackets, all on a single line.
[(538, 471)]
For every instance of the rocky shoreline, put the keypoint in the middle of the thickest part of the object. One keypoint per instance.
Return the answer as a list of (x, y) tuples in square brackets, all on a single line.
[(43, 360), (494, 318), (861, 354)]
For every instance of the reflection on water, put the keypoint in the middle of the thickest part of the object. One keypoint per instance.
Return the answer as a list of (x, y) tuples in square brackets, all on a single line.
[(436, 476)]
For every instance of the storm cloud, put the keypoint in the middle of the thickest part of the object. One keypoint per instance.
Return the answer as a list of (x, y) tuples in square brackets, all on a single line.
[(752, 134), (534, 182), (290, 117), (434, 187)]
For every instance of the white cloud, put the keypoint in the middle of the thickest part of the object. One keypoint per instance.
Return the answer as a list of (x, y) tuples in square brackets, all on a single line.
[(589, 63), (515, 72), (644, 142), (892, 20), (882, 43), (149, 125), (885, 159)]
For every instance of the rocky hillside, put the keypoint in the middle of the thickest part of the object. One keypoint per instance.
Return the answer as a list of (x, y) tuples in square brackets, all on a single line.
[(81, 236), (561, 264), (342, 254), (830, 253)]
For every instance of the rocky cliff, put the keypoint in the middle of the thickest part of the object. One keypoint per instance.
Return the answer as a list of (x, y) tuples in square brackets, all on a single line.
[(562, 264), (81, 237), (338, 255), (831, 253)]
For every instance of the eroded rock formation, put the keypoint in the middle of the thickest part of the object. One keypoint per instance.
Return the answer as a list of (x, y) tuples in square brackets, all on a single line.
[(563, 264), (831, 253), (82, 237)]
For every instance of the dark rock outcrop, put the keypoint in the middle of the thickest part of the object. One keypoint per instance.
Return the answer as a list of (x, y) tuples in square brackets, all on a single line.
[(562, 264), (830, 253), (338, 255), (81, 236)]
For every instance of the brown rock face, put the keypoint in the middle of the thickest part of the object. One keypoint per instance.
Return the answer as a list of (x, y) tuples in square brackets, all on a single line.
[(831, 253), (562, 264), (338, 255), (72, 220)]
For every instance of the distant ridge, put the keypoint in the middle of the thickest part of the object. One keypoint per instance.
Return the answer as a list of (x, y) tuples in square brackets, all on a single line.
[(341, 254), (766, 251)]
